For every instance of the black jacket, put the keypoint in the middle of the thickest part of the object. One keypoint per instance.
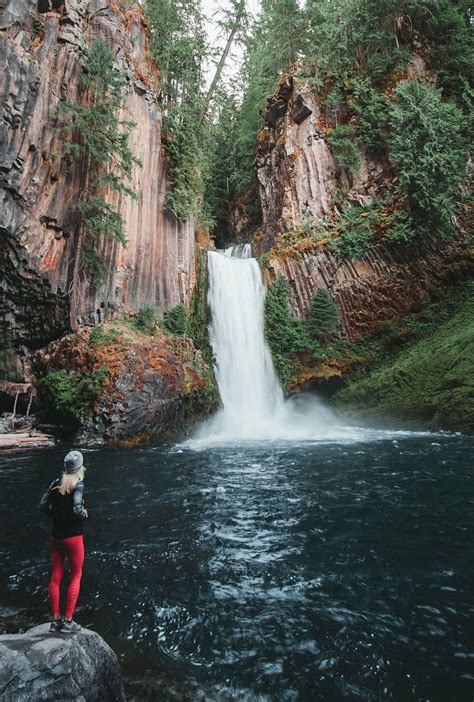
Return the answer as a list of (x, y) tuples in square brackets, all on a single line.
[(67, 511)]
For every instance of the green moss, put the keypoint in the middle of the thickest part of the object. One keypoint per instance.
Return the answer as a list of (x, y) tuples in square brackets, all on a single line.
[(430, 382), (69, 396), (198, 315), (100, 338)]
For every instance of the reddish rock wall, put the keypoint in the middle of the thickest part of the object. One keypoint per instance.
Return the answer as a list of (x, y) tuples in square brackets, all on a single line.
[(298, 175), (39, 190)]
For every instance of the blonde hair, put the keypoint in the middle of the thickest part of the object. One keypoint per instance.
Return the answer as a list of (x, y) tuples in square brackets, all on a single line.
[(70, 480)]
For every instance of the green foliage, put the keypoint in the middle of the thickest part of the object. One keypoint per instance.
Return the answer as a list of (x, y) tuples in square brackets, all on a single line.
[(284, 333), (427, 146), (186, 163), (69, 396), (223, 170), (175, 320), (147, 319), (325, 315), (342, 140), (430, 382), (96, 268), (178, 44), (354, 231), (198, 315), (99, 338), (100, 138), (401, 229), (371, 108), (271, 47)]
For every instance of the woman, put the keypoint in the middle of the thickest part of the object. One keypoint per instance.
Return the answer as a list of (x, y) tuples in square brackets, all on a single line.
[(64, 502)]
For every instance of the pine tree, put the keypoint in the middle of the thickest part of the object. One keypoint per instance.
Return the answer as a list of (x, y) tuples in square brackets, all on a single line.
[(325, 315), (428, 148), (102, 141)]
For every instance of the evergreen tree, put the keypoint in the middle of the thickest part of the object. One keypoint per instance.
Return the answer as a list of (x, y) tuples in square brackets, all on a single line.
[(428, 148), (273, 45), (103, 141), (325, 315)]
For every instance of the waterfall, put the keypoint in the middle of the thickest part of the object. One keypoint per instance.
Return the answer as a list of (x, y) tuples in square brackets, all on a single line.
[(247, 381), (253, 407)]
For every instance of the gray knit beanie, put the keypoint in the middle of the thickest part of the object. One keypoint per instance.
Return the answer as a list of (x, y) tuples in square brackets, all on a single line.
[(73, 461)]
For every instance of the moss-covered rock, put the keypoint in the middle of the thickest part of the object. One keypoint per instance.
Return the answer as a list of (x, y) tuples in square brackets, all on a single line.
[(116, 386), (430, 383)]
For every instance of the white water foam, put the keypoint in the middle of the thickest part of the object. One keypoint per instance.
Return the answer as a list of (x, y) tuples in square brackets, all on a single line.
[(254, 408)]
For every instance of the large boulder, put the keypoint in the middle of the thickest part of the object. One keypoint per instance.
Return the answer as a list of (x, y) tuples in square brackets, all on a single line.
[(39, 665)]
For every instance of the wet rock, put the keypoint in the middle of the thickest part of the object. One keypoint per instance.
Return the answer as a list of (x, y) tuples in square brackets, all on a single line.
[(38, 665), (156, 387)]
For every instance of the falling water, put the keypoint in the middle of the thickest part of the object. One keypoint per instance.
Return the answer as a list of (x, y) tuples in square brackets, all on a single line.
[(253, 406), (248, 385), (252, 398)]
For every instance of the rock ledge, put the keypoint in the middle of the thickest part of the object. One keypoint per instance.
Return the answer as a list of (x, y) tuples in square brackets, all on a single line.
[(38, 665)]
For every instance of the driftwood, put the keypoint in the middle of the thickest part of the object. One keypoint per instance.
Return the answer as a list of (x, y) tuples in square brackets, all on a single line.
[(17, 389)]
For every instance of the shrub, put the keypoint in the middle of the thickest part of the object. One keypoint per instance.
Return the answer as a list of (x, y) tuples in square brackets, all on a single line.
[(354, 231), (325, 315), (69, 395), (147, 319), (99, 338), (284, 332), (175, 320), (342, 140), (401, 229)]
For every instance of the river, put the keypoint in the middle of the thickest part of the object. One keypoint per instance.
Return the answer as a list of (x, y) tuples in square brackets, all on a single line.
[(279, 555), (302, 571)]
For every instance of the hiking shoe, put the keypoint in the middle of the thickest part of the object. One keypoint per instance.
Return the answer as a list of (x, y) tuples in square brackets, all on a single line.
[(55, 626), (71, 627)]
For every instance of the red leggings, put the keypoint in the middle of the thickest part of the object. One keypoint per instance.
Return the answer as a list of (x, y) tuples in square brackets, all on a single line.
[(72, 549)]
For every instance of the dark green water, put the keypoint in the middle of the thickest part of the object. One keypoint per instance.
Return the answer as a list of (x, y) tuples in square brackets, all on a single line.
[(293, 572)]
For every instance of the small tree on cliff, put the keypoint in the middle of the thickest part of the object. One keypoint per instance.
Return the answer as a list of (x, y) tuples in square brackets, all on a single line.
[(325, 315), (429, 149), (101, 138)]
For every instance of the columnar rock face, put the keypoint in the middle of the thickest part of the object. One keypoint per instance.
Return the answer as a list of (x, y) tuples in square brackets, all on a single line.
[(386, 284), (40, 59), (296, 169), (38, 665), (297, 177)]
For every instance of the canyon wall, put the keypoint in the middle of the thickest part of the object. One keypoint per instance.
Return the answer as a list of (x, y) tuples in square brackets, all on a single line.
[(40, 59), (298, 177)]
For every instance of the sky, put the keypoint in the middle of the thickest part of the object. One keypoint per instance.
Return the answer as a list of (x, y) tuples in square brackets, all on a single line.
[(217, 38)]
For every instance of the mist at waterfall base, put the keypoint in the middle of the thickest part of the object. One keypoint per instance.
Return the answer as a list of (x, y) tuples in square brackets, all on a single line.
[(253, 406)]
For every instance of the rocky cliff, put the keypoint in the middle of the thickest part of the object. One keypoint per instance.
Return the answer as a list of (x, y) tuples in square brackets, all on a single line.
[(40, 58), (299, 181), (119, 387)]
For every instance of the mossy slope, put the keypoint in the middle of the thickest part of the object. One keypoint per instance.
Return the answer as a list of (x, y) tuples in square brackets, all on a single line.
[(429, 384)]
